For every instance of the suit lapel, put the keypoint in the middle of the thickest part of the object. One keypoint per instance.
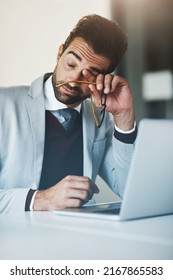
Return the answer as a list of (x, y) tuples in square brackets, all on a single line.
[(36, 111), (88, 138)]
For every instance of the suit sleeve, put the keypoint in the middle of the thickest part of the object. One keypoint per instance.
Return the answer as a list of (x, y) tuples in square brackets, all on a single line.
[(128, 138), (117, 158), (13, 200)]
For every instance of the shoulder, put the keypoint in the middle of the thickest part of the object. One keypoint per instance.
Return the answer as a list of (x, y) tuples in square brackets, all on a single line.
[(13, 92), (22, 92)]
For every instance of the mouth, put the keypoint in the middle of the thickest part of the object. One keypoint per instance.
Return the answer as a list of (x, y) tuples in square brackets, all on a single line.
[(69, 91)]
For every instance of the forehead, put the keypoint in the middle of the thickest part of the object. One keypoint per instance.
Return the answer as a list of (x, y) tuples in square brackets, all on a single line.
[(84, 53)]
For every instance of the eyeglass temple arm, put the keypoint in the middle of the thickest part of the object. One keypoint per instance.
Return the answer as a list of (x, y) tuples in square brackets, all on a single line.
[(76, 81)]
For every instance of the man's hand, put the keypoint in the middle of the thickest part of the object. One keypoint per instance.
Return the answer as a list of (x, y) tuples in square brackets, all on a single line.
[(72, 191), (119, 100)]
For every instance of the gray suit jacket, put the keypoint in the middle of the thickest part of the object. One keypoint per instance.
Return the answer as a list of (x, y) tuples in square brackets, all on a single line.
[(22, 132)]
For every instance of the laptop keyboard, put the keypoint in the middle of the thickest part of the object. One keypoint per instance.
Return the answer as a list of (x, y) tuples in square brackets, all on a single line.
[(109, 211)]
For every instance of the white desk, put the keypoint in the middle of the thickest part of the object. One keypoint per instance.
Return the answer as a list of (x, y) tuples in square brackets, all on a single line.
[(43, 235)]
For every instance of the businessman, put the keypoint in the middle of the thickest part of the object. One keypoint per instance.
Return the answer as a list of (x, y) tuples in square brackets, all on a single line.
[(69, 126)]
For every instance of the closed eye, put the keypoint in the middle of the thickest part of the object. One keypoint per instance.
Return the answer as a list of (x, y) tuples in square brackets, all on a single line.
[(70, 65)]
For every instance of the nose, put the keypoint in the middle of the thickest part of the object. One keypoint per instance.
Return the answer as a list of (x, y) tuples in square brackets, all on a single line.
[(73, 83)]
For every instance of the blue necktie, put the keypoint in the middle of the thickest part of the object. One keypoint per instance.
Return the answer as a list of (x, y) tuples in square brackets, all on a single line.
[(69, 115)]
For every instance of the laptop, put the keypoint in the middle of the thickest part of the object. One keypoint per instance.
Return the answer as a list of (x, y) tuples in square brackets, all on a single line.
[(149, 185)]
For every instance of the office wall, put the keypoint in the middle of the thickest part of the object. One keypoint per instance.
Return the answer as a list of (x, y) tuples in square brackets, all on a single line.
[(30, 33), (32, 30)]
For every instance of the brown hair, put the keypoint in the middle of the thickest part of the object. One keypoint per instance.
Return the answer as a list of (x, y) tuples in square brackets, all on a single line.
[(104, 36)]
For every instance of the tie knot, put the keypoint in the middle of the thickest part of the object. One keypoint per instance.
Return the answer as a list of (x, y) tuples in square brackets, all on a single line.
[(68, 113), (69, 116)]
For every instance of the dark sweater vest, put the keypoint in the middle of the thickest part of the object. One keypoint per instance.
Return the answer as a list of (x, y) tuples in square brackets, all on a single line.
[(63, 152)]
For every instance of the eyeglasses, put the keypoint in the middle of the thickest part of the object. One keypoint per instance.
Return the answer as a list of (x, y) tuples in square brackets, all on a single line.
[(103, 102)]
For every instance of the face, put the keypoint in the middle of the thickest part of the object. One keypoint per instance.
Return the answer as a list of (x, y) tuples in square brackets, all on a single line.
[(70, 66)]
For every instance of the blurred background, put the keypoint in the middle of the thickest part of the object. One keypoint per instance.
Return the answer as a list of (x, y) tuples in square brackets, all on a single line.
[(148, 64), (31, 32)]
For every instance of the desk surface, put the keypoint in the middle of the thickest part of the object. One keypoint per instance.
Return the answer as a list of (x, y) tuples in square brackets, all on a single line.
[(44, 235)]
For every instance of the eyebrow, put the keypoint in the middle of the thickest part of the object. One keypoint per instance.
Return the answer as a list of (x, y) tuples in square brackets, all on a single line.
[(91, 68)]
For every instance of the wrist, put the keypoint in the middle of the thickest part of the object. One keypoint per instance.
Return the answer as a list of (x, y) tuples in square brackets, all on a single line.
[(126, 131), (124, 121), (42, 201)]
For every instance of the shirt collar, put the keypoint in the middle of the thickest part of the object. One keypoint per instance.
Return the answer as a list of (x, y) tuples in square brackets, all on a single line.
[(51, 103)]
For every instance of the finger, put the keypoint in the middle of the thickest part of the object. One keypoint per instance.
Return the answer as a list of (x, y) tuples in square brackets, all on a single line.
[(118, 82), (89, 76), (100, 82), (74, 203), (104, 83), (76, 178), (83, 183), (95, 188), (108, 83), (80, 194)]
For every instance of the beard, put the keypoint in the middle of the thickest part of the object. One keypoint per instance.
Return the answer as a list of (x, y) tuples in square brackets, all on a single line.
[(64, 97)]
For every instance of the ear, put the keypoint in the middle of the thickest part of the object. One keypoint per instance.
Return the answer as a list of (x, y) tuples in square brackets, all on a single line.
[(60, 51)]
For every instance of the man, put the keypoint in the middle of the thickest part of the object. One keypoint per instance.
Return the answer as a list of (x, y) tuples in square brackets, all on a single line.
[(43, 166)]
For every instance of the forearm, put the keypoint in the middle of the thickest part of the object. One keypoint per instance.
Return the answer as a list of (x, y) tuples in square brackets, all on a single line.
[(116, 163)]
